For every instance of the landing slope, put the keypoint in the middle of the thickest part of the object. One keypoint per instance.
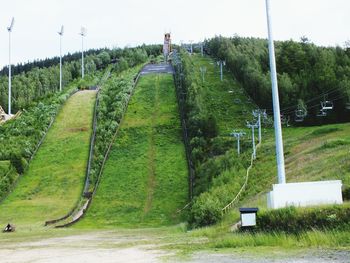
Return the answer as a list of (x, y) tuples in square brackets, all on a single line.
[(54, 181), (145, 179)]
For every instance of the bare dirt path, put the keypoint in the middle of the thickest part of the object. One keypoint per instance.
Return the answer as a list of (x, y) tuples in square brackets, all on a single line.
[(139, 246)]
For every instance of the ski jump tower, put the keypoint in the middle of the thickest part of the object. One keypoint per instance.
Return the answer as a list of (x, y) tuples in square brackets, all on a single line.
[(166, 46)]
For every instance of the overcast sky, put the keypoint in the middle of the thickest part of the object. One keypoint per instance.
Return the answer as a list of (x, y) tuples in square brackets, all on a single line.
[(117, 23)]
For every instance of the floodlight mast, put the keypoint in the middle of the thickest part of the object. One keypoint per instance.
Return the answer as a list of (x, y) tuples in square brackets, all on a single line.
[(82, 33), (61, 34), (275, 100), (9, 29)]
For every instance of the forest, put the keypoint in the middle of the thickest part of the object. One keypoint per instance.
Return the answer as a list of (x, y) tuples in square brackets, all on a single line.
[(39, 79), (307, 75)]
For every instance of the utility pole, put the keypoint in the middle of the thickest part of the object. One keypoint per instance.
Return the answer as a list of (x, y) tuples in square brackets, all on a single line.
[(9, 29), (203, 70), (82, 33), (275, 100), (61, 34), (253, 126), (221, 63), (202, 51), (259, 114), (238, 136)]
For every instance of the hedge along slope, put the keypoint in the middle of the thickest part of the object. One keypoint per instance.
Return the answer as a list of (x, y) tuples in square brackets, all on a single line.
[(145, 179), (54, 180)]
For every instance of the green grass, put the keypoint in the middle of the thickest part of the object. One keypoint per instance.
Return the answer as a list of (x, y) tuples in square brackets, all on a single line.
[(54, 181), (145, 179), (226, 100), (311, 154), (4, 168)]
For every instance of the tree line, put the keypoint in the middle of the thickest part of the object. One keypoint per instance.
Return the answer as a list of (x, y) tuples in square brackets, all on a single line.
[(34, 81), (307, 74)]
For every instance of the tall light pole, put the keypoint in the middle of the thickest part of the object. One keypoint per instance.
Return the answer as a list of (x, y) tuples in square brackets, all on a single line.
[(238, 136), (253, 126), (61, 34), (275, 100), (83, 34), (9, 29)]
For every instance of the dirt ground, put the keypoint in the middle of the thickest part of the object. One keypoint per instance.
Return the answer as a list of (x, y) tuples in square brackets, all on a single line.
[(121, 247)]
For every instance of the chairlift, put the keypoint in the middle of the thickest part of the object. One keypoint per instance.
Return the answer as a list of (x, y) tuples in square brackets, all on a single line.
[(300, 114), (285, 120), (347, 106), (327, 105), (322, 113)]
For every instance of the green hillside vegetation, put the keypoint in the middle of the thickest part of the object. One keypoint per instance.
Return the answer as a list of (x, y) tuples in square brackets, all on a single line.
[(213, 109), (312, 153), (54, 181), (112, 103), (307, 74), (145, 180), (34, 81)]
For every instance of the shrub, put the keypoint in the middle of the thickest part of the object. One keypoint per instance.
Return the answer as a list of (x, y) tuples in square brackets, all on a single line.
[(297, 220), (205, 210), (18, 162)]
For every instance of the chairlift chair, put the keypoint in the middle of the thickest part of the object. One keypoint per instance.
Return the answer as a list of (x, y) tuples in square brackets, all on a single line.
[(327, 105), (322, 113), (347, 106)]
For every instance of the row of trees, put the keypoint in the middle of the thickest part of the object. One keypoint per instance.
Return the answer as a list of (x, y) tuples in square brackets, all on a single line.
[(307, 73), (218, 170), (113, 100), (41, 103), (34, 81)]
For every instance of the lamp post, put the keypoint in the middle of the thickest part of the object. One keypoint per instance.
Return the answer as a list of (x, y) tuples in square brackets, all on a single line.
[(9, 29), (275, 100), (61, 34), (83, 34)]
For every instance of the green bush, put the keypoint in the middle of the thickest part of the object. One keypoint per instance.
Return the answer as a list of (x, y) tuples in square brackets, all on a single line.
[(346, 193), (297, 220), (18, 162), (205, 210)]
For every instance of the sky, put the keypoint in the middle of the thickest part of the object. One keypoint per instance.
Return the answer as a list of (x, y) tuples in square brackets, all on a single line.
[(120, 23)]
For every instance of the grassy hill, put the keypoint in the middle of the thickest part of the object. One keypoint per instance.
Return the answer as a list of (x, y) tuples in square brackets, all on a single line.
[(54, 180), (311, 154), (145, 179)]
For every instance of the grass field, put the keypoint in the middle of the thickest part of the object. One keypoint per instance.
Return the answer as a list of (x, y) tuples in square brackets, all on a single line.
[(54, 181), (226, 100), (311, 154), (4, 168), (145, 179)]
